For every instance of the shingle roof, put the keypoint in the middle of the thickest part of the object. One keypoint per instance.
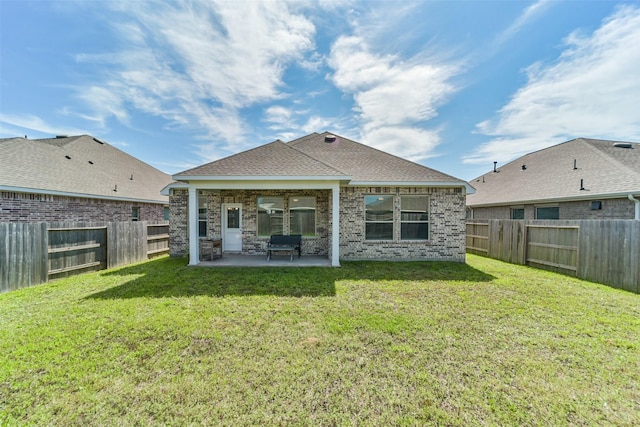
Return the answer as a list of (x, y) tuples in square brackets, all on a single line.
[(276, 159), (604, 168), (311, 156), (365, 163), (78, 165)]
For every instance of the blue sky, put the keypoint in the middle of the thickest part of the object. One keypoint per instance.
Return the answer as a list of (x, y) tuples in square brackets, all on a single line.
[(453, 85)]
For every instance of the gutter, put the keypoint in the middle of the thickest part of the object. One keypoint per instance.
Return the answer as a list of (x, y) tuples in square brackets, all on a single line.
[(637, 202)]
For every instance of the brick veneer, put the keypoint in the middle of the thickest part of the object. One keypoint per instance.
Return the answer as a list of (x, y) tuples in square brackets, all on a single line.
[(31, 207), (447, 223), (611, 209)]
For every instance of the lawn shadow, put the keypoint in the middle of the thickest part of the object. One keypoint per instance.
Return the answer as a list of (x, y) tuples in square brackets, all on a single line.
[(172, 277)]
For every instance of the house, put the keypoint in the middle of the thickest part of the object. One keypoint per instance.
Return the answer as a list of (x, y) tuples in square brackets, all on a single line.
[(348, 201), (77, 178), (578, 179)]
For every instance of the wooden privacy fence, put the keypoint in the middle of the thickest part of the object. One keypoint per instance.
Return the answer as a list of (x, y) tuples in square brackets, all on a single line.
[(603, 251), (33, 253)]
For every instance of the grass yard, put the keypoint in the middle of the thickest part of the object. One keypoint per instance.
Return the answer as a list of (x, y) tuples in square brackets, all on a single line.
[(370, 343)]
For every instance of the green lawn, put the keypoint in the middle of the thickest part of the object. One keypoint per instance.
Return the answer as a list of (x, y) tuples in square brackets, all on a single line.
[(370, 343)]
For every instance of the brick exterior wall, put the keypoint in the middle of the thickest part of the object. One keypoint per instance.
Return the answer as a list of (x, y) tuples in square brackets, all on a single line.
[(29, 207), (611, 209), (447, 224)]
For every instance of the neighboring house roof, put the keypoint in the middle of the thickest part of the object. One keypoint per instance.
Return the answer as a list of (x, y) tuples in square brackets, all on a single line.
[(322, 156), (608, 169), (78, 166)]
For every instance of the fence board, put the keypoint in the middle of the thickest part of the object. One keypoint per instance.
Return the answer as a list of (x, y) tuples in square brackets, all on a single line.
[(76, 246), (602, 251), (31, 252), (22, 255), (610, 253)]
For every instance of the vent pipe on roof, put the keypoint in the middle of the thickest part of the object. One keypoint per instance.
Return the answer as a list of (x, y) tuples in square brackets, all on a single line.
[(581, 184), (115, 188), (330, 138), (575, 164), (131, 177), (622, 145), (524, 167), (495, 164)]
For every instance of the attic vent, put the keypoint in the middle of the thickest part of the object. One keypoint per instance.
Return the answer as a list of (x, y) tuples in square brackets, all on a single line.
[(62, 136), (622, 144), (68, 157), (90, 162), (98, 141), (524, 167), (330, 138)]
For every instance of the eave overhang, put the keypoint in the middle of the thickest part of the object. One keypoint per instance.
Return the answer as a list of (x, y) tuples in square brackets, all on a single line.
[(80, 195), (617, 195)]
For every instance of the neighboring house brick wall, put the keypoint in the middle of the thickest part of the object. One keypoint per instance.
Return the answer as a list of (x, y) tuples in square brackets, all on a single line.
[(33, 207), (611, 209), (447, 223)]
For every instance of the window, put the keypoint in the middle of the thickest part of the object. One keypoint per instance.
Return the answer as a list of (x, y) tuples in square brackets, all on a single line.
[(165, 213), (517, 213), (414, 218), (135, 213), (270, 216), (378, 217), (202, 216), (302, 215), (548, 213)]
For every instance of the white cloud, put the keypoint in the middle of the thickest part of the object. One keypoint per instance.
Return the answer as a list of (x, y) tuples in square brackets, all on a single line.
[(197, 64), (35, 123), (529, 15), (393, 97), (592, 90)]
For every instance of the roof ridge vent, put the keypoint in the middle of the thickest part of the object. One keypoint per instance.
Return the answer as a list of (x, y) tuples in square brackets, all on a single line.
[(623, 145), (330, 138), (62, 136)]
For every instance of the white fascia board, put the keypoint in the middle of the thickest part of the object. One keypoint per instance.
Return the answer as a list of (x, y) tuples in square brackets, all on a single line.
[(468, 188), (79, 195), (260, 178), (623, 195), (165, 190), (264, 185)]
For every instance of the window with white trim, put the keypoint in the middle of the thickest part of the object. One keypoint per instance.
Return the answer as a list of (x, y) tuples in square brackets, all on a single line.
[(414, 218), (378, 217), (270, 216), (302, 215)]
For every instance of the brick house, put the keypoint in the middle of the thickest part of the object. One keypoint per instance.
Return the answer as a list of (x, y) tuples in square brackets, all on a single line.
[(578, 179), (348, 201), (77, 178)]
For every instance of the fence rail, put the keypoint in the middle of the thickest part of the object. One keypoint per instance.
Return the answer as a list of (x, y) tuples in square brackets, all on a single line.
[(603, 251), (33, 253)]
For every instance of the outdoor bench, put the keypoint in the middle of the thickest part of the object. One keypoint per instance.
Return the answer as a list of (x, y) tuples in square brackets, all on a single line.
[(281, 243)]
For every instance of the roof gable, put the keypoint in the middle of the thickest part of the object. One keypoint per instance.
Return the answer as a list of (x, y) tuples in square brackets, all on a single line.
[(556, 173), (367, 164), (275, 160), (312, 157), (79, 166)]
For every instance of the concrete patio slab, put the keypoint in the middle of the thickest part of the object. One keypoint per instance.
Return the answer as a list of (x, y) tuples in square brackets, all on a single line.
[(236, 260)]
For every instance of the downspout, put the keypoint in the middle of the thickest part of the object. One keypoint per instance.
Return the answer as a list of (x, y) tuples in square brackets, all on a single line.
[(637, 202)]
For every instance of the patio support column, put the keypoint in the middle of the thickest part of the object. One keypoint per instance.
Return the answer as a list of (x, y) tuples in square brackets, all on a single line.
[(192, 221), (335, 227)]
